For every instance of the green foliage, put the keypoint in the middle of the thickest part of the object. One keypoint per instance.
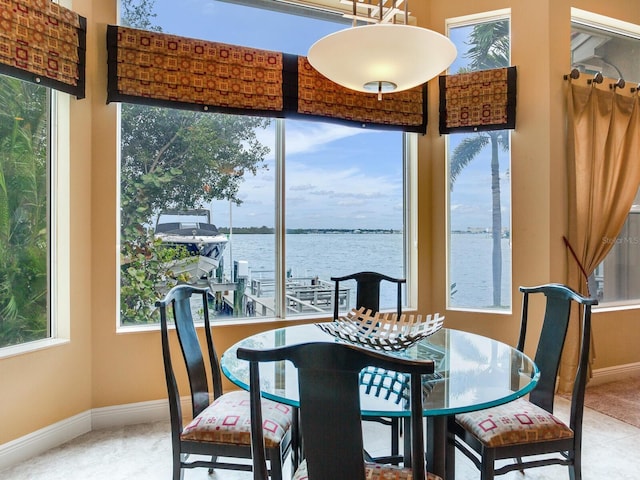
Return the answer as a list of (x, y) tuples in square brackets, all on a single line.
[(138, 14), (174, 159), (145, 275), (23, 211), (489, 45), (182, 159), (469, 149)]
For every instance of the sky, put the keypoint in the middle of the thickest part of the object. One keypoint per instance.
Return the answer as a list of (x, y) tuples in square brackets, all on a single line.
[(336, 176)]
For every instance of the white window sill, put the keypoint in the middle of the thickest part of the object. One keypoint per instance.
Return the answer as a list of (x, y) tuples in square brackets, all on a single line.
[(244, 321), (613, 307), (28, 347)]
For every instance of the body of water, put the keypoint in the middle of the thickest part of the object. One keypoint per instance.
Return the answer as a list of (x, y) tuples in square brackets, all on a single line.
[(471, 270), (327, 255)]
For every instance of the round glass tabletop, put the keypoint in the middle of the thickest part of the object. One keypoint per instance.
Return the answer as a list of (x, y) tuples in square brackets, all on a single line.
[(472, 372)]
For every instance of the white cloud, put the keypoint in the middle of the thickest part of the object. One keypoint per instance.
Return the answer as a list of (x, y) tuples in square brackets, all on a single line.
[(310, 137), (303, 137), (352, 202), (351, 194), (207, 8)]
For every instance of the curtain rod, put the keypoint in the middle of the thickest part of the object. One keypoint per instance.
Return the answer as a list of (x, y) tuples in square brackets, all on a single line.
[(598, 78)]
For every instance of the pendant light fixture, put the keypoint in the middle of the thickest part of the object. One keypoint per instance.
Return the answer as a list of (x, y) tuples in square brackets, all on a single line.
[(383, 55)]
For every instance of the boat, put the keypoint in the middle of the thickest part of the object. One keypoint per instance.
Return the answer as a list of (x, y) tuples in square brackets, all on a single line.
[(193, 231)]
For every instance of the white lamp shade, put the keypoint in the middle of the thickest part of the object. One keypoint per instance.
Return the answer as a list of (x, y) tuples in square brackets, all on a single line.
[(403, 55)]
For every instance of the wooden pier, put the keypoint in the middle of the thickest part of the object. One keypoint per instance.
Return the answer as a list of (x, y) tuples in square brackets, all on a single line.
[(303, 295)]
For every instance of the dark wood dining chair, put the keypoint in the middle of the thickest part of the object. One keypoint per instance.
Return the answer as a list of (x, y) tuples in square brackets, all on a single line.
[(329, 386), (368, 296), (367, 290), (524, 429), (220, 425)]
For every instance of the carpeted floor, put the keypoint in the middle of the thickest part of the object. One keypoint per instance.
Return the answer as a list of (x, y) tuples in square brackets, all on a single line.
[(620, 400), (143, 452)]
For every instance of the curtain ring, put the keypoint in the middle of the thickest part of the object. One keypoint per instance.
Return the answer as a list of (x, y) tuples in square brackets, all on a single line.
[(597, 78), (575, 74), (619, 84)]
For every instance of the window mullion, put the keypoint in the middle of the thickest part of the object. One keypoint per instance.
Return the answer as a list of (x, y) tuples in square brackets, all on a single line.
[(280, 230)]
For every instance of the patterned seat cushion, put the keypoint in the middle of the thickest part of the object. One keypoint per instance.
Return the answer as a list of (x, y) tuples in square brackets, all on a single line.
[(228, 420), (373, 471), (516, 422)]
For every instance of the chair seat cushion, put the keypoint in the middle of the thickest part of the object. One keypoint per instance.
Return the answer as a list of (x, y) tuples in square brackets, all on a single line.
[(516, 422), (373, 471), (228, 420)]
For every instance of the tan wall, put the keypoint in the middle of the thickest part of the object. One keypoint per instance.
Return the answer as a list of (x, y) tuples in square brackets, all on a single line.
[(101, 367), (45, 386)]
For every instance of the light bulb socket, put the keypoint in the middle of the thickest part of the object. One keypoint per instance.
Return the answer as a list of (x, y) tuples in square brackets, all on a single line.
[(379, 86)]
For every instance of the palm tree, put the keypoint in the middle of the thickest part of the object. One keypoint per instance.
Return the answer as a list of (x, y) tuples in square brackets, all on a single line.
[(489, 49)]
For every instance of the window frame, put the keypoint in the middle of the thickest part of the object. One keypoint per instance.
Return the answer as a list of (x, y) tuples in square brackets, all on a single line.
[(58, 228), (451, 23), (409, 161)]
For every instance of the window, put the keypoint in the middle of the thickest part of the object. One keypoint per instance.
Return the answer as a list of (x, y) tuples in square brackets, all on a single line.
[(479, 203), (344, 208), (294, 202), (601, 44), (25, 173)]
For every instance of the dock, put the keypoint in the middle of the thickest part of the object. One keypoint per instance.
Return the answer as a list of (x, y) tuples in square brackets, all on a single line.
[(303, 295)]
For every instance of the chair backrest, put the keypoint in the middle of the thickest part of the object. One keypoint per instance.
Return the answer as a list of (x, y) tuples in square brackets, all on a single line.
[(328, 382), (367, 290), (557, 313), (180, 303)]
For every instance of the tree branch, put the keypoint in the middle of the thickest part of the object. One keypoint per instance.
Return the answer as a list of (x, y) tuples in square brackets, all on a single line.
[(164, 148)]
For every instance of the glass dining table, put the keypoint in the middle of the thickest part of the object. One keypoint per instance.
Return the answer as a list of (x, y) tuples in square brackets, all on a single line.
[(472, 372)]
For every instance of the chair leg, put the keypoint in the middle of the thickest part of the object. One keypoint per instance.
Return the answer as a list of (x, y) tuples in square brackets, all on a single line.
[(488, 464), (177, 471), (395, 436), (275, 464), (296, 443), (575, 470), (214, 458), (177, 467)]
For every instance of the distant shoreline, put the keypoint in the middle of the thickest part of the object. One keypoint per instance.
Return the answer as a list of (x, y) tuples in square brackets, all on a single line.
[(356, 231), (263, 230)]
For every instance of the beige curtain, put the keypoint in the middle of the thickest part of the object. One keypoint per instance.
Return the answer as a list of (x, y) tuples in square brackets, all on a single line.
[(604, 174)]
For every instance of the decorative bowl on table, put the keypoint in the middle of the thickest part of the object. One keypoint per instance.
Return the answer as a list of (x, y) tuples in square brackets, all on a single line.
[(382, 331)]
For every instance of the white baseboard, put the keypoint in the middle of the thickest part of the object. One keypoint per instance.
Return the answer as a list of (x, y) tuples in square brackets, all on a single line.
[(612, 374), (37, 442), (129, 414)]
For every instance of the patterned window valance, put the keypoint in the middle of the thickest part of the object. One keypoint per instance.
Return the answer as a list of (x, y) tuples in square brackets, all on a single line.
[(319, 96), (478, 101), (166, 70), (43, 42)]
